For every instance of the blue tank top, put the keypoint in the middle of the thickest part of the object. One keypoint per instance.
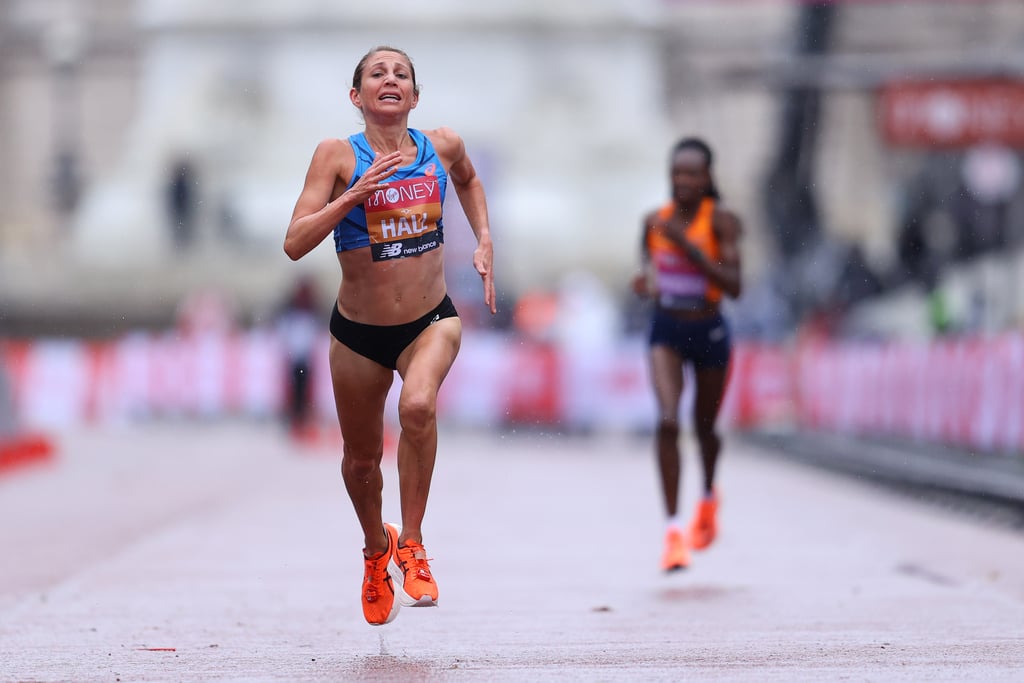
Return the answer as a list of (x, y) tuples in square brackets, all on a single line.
[(403, 219)]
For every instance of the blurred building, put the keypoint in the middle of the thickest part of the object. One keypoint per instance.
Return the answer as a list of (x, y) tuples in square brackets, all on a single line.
[(68, 92), (569, 109)]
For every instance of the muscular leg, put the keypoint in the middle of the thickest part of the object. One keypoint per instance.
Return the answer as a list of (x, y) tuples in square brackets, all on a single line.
[(423, 366), (360, 390), (667, 378), (710, 389)]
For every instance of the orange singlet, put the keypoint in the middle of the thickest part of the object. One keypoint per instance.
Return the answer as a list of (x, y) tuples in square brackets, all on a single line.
[(679, 283)]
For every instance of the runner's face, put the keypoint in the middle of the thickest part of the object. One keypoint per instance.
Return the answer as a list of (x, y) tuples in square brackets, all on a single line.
[(387, 85), (690, 177)]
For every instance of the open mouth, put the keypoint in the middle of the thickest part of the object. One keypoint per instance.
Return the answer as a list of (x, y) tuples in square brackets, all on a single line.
[(389, 98)]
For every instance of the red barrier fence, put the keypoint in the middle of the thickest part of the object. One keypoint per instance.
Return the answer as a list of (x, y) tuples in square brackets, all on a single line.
[(966, 392)]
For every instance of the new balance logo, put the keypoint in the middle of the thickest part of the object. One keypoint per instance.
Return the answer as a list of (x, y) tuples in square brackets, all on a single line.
[(391, 250)]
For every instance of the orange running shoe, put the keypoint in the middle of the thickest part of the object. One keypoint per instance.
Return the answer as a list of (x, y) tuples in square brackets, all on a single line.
[(677, 554), (704, 526), (411, 575), (379, 604)]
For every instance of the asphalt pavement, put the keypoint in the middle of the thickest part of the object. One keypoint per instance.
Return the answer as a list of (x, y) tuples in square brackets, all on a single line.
[(223, 552)]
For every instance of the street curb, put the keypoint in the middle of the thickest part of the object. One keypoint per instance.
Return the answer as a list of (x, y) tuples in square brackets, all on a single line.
[(989, 477)]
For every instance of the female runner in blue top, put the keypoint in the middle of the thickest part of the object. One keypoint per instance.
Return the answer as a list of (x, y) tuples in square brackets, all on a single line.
[(380, 192)]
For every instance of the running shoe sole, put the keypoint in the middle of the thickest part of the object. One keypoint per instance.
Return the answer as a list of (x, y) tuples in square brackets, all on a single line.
[(398, 580), (676, 556)]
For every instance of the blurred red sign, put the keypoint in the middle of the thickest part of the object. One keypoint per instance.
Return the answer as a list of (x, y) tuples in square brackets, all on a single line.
[(953, 113)]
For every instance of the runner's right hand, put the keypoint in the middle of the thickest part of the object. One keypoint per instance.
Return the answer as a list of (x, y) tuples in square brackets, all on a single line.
[(383, 166)]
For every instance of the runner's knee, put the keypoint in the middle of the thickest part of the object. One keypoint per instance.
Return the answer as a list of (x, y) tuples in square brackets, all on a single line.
[(668, 429), (707, 436), (417, 413), (361, 461)]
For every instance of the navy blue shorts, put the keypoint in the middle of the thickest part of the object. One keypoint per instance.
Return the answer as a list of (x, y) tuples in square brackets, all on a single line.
[(385, 343), (705, 342)]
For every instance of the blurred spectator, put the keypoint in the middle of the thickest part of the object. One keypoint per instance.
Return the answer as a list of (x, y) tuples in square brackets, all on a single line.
[(535, 314), (533, 395), (938, 311), (298, 326), (67, 185), (182, 203), (7, 423)]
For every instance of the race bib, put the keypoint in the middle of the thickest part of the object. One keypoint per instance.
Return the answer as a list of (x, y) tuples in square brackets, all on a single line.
[(402, 218), (680, 285)]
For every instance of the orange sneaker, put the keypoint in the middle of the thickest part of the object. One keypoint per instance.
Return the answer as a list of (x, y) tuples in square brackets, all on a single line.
[(677, 554), (379, 604), (410, 572), (704, 526)]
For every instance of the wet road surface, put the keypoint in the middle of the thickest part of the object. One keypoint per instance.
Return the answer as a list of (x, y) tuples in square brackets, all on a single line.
[(225, 553)]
